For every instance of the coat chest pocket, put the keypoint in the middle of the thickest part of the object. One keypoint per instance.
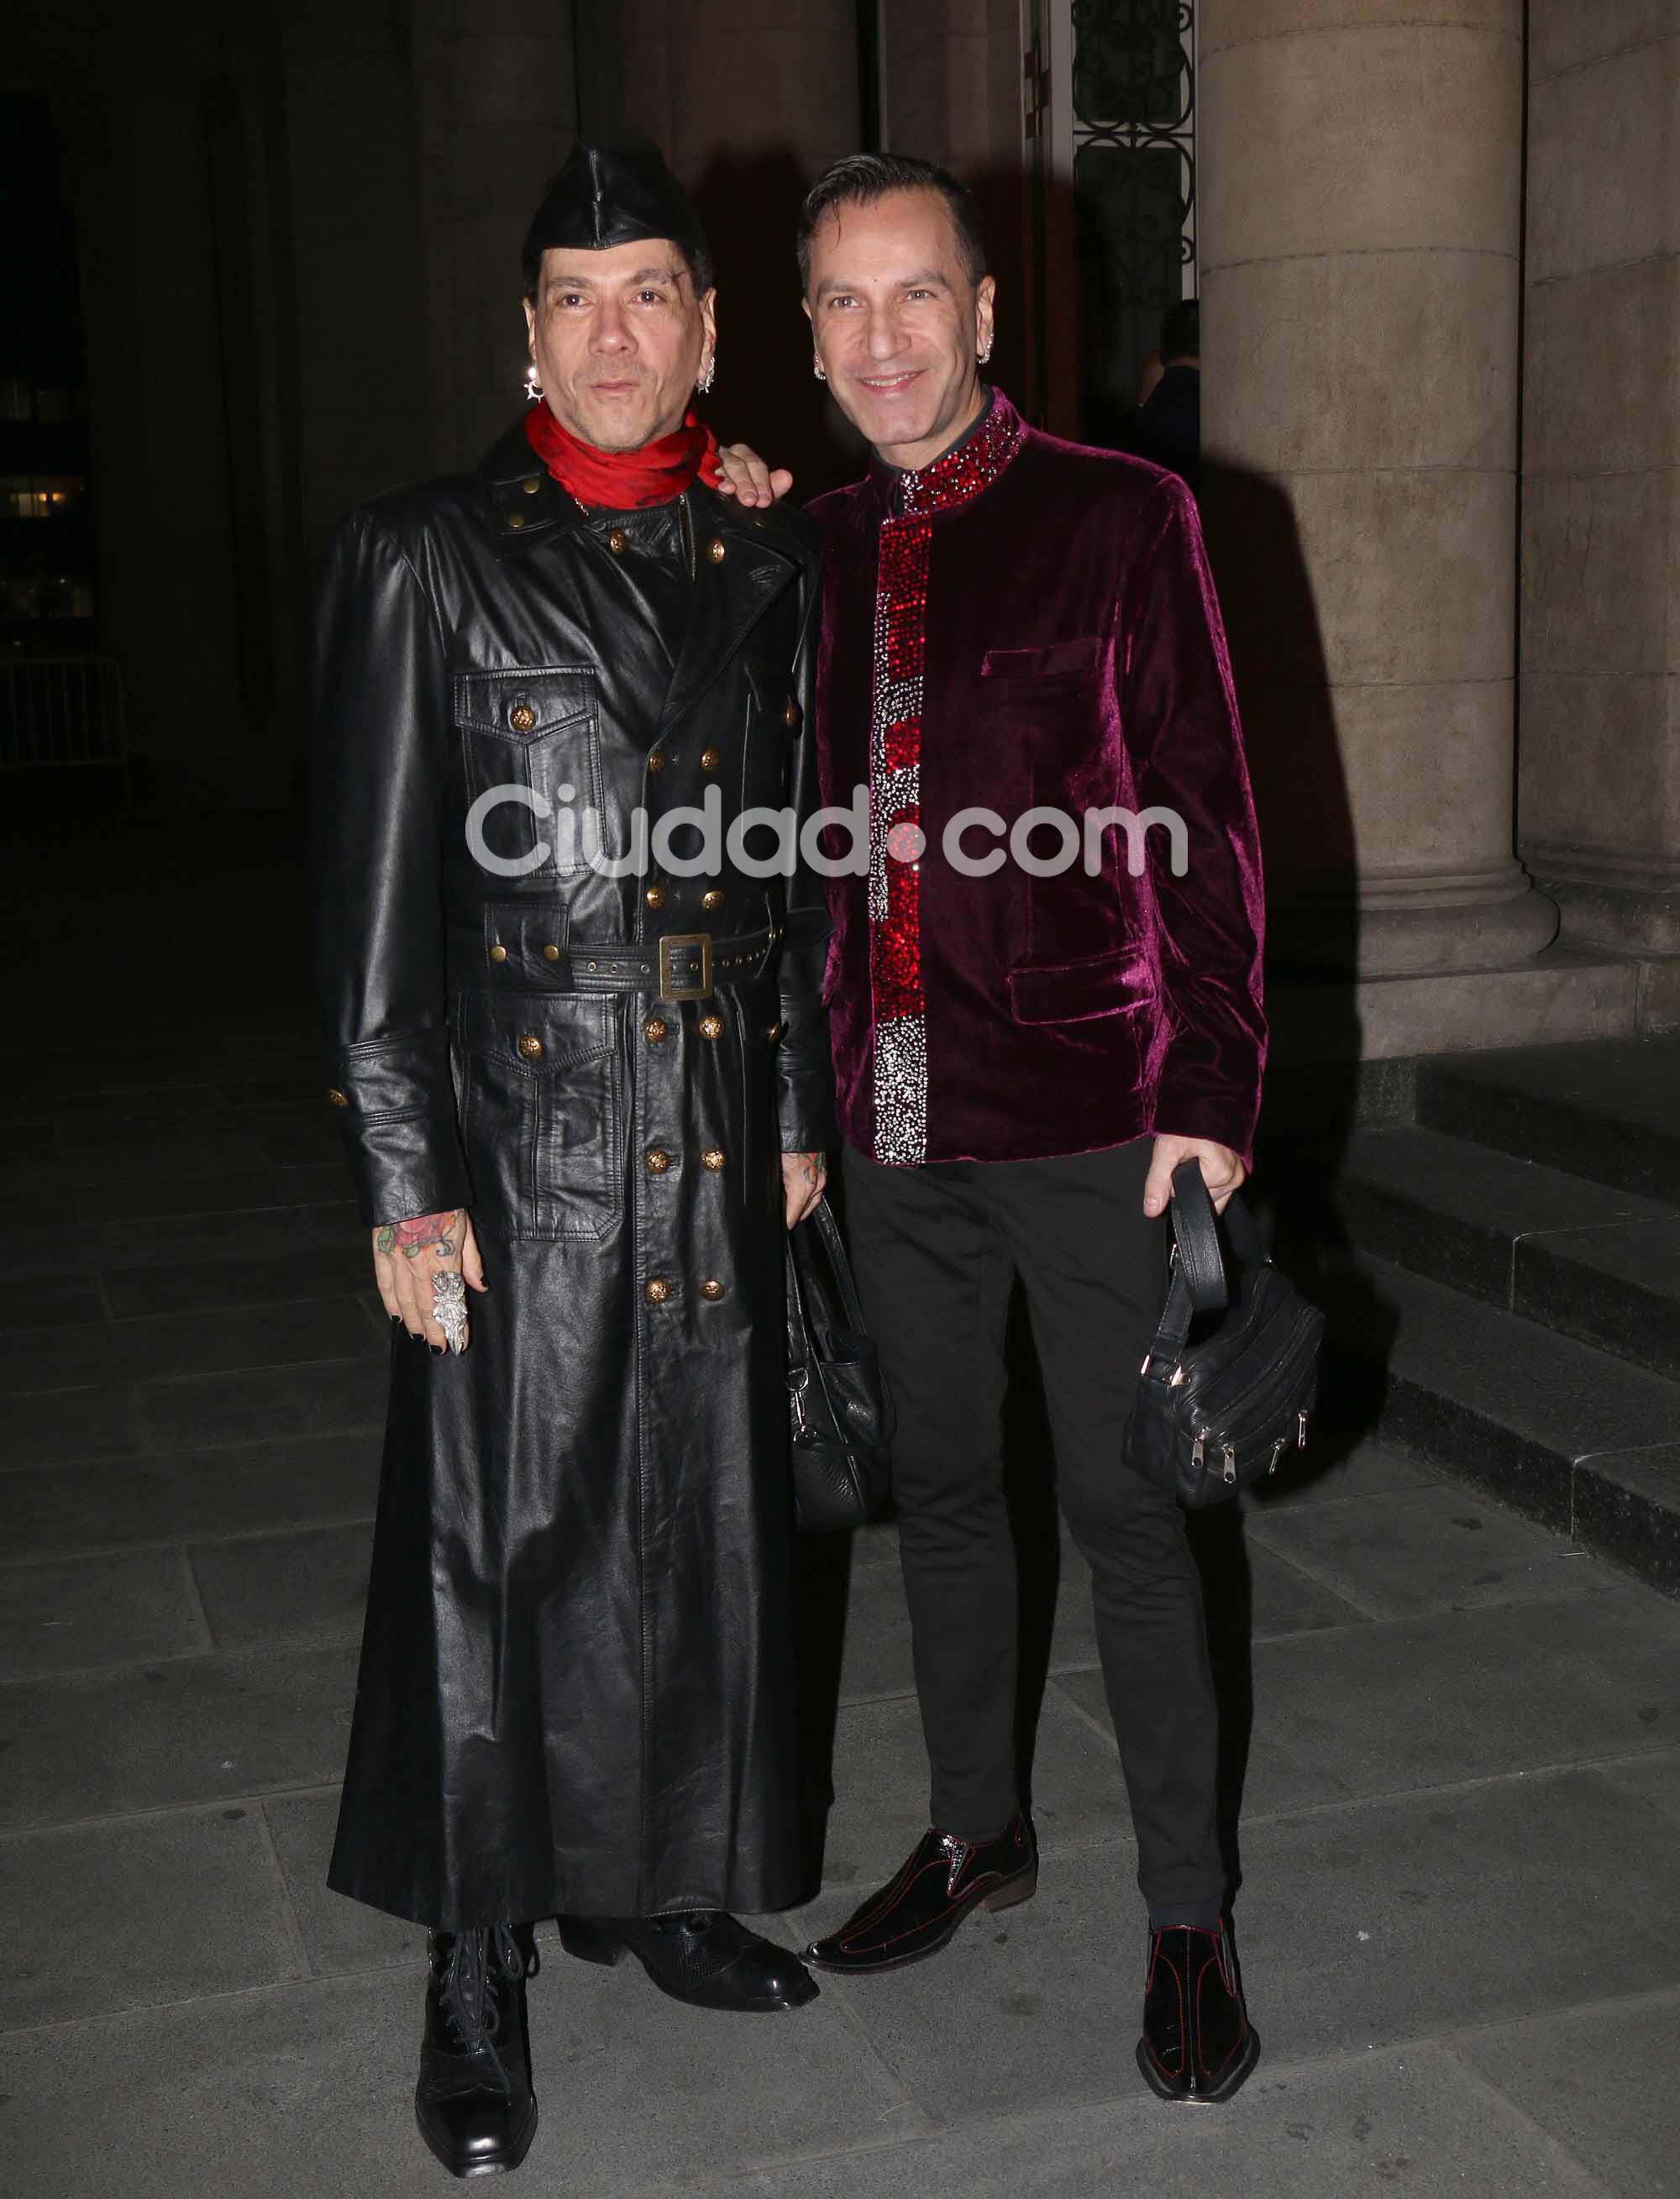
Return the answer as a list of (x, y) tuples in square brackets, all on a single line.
[(531, 745), (1057, 660), (541, 1096)]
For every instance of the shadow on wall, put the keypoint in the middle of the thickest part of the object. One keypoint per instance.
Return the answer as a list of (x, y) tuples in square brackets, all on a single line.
[(766, 393)]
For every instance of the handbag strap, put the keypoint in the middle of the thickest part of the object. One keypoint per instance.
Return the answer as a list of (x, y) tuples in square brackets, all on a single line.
[(1200, 1284)]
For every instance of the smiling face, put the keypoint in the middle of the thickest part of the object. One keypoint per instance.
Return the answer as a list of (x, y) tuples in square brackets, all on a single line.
[(899, 323), (618, 339)]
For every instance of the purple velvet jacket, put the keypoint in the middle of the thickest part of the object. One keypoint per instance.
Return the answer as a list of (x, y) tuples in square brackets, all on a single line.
[(1037, 626)]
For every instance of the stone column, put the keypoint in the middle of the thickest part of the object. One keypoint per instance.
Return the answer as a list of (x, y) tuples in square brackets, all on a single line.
[(1600, 785), (1359, 216)]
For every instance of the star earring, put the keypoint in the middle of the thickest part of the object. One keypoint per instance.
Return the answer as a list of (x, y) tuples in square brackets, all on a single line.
[(533, 386), (708, 375)]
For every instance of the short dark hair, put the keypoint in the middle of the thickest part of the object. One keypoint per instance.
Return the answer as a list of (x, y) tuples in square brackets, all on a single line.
[(862, 178), (1181, 331), (698, 261)]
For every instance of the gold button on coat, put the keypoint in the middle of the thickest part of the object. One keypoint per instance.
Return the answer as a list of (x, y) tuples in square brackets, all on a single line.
[(658, 1291), (515, 519), (532, 484), (337, 1098), (655, 1028), (522, 717), (550, 955), (710, 759), (793, 714), (499, 952), (712, 900), (716, 549), (657, 1160), (775, 1032), (530, 1047), (712, 1158), (656, 761), (654, 896), (711, 1026), (617, 540), (711, 1288)]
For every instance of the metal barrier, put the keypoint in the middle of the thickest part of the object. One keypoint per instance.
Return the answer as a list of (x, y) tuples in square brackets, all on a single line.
[(62, 710)]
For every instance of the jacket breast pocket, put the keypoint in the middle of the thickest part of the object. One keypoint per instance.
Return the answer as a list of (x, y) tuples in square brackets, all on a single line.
[(531, 743), (1055, 660), (540, 1085)]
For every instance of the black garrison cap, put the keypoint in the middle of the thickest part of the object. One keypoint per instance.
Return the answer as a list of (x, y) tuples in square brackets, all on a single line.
[(615, 194)]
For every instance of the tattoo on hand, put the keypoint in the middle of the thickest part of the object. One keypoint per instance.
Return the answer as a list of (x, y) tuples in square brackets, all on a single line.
[(422, 1233)]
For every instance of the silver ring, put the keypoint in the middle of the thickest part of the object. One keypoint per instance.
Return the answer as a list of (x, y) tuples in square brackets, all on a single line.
[(449, 1305)]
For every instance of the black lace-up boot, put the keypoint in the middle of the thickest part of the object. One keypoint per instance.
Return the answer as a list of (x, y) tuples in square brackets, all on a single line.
[(702, 1956), (474, 2101)]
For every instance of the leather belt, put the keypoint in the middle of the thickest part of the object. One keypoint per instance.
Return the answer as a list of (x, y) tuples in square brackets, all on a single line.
[(677, 965)]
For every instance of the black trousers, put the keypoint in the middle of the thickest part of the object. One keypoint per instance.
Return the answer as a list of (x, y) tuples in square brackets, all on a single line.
[(936, 1251)]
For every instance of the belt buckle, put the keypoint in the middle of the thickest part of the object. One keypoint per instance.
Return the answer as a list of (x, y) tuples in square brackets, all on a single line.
[(670, 942)]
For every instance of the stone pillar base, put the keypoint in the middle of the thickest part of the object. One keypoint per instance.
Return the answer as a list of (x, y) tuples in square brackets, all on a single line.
[(1631, 902), (1413, 924)]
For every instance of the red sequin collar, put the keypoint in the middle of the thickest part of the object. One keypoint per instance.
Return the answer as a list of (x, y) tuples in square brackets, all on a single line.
[(969, 468)]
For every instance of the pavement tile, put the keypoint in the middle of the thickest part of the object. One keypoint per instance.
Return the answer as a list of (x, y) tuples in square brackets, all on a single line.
[(204, 1728), (92, 1420), (881, 1788), (1341, 1951), (1418, 1702), (310, 2088), (332, 1396), (103, 1151), (298, 1130), (1429, 1549), (1325, 1473), (254, 1188), (339, 1934), (163, 1908), (305, 1586), (49, 1302), (65, 1617), (876, 1660), (1409, 2120), (169, 1496), (250, 1280), (1601, 2081), (1652, 1779)]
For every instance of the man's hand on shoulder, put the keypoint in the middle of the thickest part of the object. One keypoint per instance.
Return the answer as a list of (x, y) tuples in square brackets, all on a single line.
[(1222, 1171), (747, 478)]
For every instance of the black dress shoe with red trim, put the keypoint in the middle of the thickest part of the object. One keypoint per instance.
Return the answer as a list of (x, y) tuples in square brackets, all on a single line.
[(917, 1913), (1198, 2046)]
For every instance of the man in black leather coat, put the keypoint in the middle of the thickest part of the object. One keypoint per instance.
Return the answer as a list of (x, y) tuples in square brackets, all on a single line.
[(600, 1099)]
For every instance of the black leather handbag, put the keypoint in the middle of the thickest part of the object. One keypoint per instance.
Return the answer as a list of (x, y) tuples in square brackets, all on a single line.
[(1218, 1411), (842, 1416)]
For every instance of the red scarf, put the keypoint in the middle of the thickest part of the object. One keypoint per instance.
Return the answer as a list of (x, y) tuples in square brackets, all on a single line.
[(625, 481)]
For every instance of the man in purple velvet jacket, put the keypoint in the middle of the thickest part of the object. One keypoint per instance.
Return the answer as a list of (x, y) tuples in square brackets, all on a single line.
[(1043, 995)]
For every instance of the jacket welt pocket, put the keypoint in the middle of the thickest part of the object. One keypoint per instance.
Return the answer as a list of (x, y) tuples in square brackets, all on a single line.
[(541, 1105), (530, 744), (1117, 983), (1045, 663)]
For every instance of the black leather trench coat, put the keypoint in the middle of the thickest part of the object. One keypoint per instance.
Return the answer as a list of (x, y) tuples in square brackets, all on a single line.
[(575, 1691)]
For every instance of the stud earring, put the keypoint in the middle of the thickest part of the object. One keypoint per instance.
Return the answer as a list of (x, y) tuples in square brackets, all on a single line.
[(708, 375), (533, 386)]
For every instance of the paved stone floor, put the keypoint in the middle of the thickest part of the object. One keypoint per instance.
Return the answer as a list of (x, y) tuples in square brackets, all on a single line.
[(1459, 1917)]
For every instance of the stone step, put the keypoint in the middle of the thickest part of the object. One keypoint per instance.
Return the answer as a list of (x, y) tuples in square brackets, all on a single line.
[(1569, 1434), (1605, 1109), (1582, 1258)]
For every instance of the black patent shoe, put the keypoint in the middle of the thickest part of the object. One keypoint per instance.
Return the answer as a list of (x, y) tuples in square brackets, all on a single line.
[(917, 1912), (474, 2101), (1198, 2046), (700, 1956)]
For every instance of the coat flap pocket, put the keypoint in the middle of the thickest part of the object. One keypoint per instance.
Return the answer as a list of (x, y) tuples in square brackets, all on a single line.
[(535, 1032), (1083, 656), (1110, 984), (522, 705)]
